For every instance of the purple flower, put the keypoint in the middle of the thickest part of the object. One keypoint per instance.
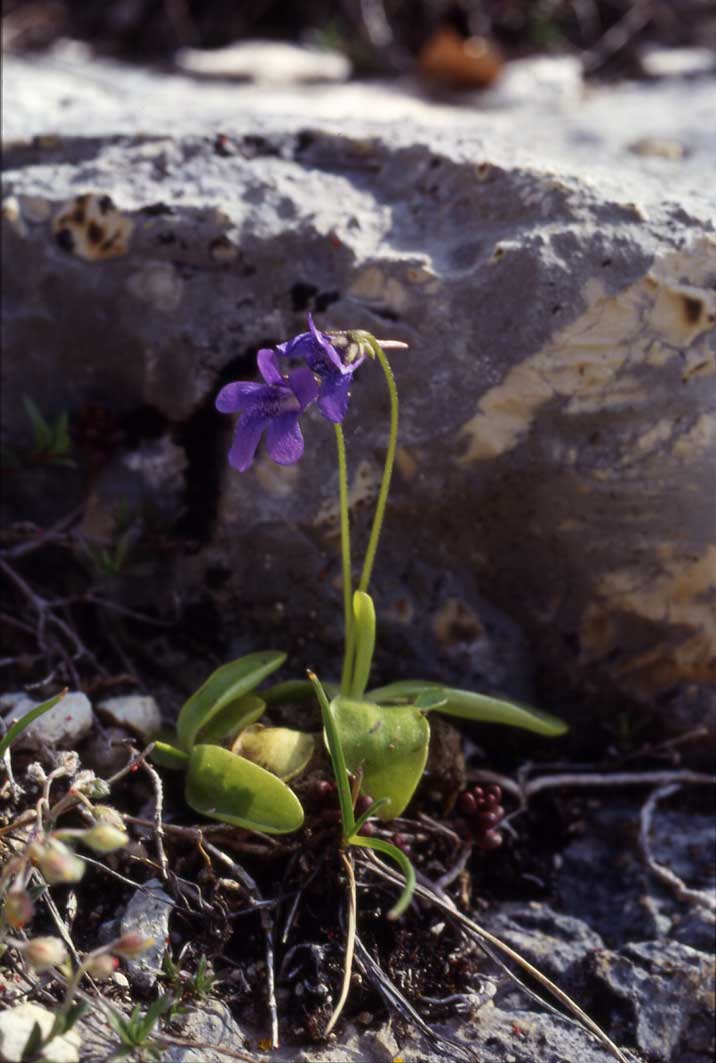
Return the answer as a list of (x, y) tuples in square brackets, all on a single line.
[(273, 407), (321, 353)]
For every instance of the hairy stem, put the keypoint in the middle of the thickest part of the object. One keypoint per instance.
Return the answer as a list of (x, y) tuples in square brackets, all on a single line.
[(387, 468)]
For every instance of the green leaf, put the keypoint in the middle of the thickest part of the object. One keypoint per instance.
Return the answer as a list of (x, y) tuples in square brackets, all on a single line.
[(280, 750), (369, 813), (34, 1042), (65, 1020), (153, 1013), (389, 745), (364, 628), (335, 749), (403, 863), (42, 433), (224, 786), (430, 699), (471, 706), (168, 756), (290, 690), (16, 729), (226, 684), (232, 719), (62, 444)]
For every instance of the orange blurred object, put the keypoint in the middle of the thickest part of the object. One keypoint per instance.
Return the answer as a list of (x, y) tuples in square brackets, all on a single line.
[(460, 62)]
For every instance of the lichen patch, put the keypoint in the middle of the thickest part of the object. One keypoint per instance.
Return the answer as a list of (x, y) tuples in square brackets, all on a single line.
[(91, 227), (679, 598), (594, 363)]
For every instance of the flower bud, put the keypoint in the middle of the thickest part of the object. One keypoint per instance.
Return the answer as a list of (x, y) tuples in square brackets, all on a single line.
[(42, 953), (107, 814), (18, 909), (57, 862), (131, 945), (104, 838), (86, 782), (102, 966)]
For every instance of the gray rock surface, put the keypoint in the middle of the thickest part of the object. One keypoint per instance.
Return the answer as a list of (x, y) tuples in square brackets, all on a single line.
[(665, 993), (556, 944), (16, 1025), (62, 727), (209, 1025), (147, 914), (624, 902), (556, 289), (137, 713)]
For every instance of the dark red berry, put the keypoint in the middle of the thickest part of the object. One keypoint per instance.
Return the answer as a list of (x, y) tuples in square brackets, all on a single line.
[(488, 819), (491, 801), (402, 842), (478, 792), (491, 840), (325, 788), (494, 791), (367, 829), (468, 804), (363, 803)]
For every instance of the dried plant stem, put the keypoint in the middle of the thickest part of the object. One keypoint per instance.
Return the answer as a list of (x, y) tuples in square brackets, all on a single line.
[(524, 789), (158, 813), (427, 892), (350, 943), (665, 874), (266, 919)]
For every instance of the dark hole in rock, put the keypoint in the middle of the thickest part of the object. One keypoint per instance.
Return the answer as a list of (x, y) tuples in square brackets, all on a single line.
[(304, 140), (325, 299), (301, 295), (205, 438), (155, 210), (145, 422), (65, 240), (692, 309), (385, 313)]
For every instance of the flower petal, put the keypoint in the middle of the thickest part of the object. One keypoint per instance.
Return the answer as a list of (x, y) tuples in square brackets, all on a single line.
[(246, 440), (234, 397), (268, 366), (333, 399), (284, 439), (304, 386), (327, 346), (298, 347)]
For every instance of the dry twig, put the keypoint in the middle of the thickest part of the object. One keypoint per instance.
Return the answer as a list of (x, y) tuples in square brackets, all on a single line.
[(665, 874)]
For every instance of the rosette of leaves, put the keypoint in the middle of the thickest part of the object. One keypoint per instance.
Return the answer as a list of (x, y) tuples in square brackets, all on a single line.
[(246, 784), (385, 733)]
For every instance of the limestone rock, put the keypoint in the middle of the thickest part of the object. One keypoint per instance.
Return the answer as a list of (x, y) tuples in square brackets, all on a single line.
[(557, 292), (147, 914), (210, 1024), (555, 943), (264, 61), (16, 1025), (66, 724), (665, 993), (137, 713)]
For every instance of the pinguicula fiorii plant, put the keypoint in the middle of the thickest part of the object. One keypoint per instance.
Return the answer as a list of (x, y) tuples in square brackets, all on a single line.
[(377, 739)]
